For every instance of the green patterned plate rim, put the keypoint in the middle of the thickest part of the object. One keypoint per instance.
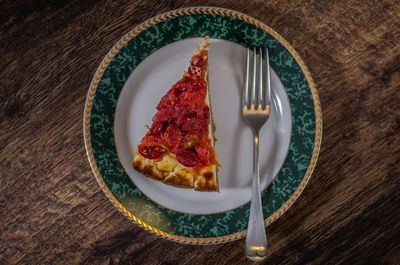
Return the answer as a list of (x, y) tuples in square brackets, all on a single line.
[(154, 34)]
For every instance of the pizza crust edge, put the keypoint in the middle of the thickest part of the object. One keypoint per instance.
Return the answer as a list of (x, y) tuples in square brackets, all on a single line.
[(181, 176), (176, 175)]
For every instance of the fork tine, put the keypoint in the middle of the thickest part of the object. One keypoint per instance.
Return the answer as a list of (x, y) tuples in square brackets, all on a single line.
[(260, 82), (253, 90), (246, 81), (268, 97)]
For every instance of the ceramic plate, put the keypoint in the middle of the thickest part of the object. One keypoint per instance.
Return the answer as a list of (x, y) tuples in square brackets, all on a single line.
[(143, 66), (154, 76)]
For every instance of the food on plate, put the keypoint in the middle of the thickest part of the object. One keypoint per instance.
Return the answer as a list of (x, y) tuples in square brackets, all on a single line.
[(178, 148)]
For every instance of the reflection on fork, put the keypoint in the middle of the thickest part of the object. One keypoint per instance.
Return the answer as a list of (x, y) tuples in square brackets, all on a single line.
[(256, 102)]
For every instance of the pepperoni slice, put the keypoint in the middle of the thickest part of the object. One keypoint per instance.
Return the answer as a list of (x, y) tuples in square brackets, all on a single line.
[(187, 157), (151, 151), (172, 136)]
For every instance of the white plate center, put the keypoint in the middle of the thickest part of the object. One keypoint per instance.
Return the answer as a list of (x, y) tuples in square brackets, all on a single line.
[(154, 77)]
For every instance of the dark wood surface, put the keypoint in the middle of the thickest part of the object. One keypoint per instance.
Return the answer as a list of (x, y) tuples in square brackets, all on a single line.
[(52, 211)]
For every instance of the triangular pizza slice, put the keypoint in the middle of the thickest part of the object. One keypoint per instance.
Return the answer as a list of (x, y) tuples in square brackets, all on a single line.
[(179, 149)]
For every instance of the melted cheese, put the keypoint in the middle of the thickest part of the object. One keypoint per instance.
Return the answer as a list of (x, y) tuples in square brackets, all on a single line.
[(167, 163)]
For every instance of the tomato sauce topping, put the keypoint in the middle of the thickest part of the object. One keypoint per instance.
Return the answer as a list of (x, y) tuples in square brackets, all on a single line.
[(181, 123)]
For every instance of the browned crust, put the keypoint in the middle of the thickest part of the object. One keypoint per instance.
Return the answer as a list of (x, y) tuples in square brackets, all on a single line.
[(206, 180), (183, 178), (148, 170), (179, 180), (204, 186)]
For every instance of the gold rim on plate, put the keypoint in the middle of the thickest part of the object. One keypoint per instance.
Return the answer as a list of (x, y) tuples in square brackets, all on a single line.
[(150, 22)]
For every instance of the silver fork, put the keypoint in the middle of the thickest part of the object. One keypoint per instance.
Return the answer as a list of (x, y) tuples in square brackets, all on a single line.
[(255, 112)]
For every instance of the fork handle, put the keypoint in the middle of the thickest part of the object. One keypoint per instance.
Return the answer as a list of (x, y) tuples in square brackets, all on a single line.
[(256, 240)]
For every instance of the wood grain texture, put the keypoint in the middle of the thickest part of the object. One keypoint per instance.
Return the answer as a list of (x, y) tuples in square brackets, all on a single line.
[(53, 211)]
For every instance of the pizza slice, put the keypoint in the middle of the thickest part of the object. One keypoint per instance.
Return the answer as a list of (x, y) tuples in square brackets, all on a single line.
[(179, 149)]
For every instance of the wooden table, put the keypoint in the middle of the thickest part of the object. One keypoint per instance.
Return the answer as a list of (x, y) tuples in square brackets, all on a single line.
[(52, 211)]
